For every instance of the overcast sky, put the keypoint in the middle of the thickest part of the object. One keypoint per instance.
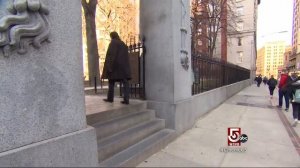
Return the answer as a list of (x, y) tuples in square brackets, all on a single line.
[(274, 16)]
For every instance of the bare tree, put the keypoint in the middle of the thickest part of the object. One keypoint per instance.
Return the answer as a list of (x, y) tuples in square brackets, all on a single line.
[(89, 7), (119, 15), (209, 18)]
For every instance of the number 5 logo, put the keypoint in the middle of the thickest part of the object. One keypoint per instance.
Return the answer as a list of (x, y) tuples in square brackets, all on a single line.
[(234, 136)]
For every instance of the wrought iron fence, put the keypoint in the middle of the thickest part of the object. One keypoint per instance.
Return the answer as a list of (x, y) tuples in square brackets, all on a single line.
[(137, 52), (212, 73)]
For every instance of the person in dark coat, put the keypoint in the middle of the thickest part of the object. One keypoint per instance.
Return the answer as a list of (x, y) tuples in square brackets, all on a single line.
[(117, 67), (265, 80), (293, 78), (272, 84), (255, 79), (295, 105), (259, 80)]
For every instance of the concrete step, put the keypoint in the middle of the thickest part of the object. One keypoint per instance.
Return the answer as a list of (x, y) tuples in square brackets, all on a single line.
[(122, 140), (140, 151), (112, 112), (111, 127)]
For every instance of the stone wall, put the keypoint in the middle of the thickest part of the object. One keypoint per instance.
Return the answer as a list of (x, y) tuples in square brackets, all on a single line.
[(182, 115)]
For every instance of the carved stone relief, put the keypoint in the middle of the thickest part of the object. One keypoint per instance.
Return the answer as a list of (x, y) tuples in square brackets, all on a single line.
[(184, 59), (22, 23)]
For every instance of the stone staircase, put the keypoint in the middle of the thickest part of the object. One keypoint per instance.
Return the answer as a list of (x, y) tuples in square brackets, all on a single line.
[(128, 135)]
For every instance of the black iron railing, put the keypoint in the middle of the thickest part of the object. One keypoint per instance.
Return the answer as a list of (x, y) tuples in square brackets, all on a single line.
[(212, 73), (137, 52)]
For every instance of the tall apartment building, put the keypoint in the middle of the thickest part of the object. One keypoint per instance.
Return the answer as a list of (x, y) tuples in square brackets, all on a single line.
[(286, 56), (295, 56), (203, 29), (242, 39), (270, 58), (260, 61), (199, 12)]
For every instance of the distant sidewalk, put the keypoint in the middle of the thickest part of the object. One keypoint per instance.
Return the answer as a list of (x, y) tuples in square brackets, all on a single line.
[(269, 143), (92, 88)]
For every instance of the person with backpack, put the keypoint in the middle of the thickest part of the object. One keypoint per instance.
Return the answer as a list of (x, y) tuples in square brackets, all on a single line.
[(272, 84), (294, 78), (296, 101), (283, 90)]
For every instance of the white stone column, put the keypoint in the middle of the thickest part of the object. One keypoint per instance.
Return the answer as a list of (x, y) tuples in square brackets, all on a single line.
[(166, 26), (42, 109)]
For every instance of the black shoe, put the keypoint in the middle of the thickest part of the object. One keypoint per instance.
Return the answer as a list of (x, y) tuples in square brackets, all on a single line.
[(106, 100), (287, 110), (279, 106), (125, 102)]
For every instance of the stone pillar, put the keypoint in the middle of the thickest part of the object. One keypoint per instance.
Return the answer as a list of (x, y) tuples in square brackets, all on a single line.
[(42, 109), (166, 27)]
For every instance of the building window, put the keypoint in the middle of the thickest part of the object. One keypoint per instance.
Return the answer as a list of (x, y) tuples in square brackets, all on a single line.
[(239, 41), (199, 31), (199, 42), (240, 56), (240, 26), (240, 10)]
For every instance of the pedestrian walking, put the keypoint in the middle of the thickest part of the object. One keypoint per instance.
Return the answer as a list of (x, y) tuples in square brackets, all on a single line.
[(293, 78), (284, 90), (272, 85), (296, 101), (265, 80), (116, 67), (259, 80), (255, 79)]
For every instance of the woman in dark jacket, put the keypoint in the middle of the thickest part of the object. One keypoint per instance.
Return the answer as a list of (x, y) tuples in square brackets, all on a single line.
[(116, 67), (296, 105), (272, 84)]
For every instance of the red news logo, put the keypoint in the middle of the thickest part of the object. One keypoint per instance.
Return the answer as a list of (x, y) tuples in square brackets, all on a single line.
[(234, 136)]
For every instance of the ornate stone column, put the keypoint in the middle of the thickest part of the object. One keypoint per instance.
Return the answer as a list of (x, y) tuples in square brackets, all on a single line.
[(42, 111)]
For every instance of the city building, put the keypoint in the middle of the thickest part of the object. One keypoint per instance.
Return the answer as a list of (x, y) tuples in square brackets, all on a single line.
[(286, 56), (260, 61), (270, 58), (209, 28), (199, 31), (295, 55), (241, 48)]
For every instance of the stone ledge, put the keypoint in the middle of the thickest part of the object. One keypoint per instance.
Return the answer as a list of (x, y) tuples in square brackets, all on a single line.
[(77, 149), (182, 115)]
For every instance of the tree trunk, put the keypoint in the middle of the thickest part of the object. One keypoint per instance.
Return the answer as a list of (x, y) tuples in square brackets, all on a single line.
[(91, 38), (224, 30)]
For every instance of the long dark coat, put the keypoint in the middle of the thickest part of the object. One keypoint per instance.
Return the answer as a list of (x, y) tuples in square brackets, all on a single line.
[(116, 66)]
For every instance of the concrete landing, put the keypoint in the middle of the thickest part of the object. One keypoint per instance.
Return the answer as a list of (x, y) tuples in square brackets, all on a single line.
[(95, 104), (98, 111)]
